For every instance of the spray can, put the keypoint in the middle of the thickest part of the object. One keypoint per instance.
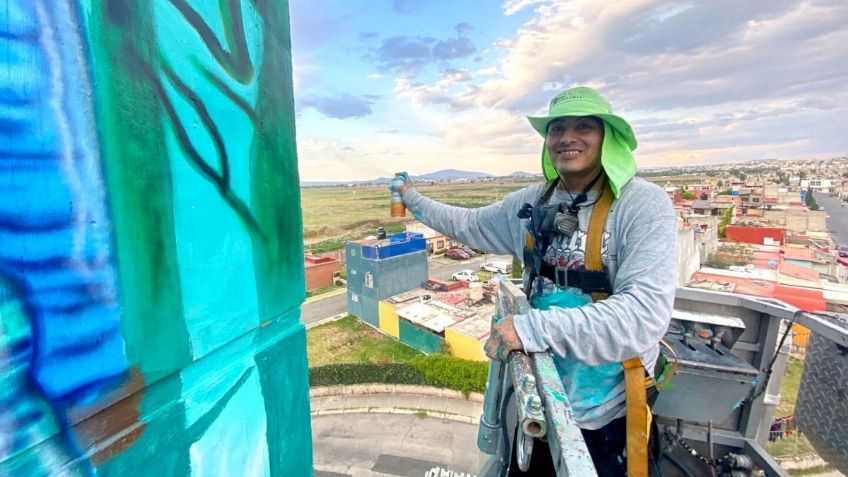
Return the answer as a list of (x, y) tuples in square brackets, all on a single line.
[(398, 207)]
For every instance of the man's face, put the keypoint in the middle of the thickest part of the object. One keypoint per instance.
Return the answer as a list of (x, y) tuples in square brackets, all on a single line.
[(574, 144)]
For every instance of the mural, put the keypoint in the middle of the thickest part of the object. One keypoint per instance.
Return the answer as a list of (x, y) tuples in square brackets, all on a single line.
[(150, 256)]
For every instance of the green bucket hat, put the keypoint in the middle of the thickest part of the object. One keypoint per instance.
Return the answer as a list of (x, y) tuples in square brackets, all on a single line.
[(619, 140)]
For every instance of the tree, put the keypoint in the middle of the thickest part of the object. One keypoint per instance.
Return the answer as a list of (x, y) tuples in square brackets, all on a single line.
[(688, 196), (726, 218)]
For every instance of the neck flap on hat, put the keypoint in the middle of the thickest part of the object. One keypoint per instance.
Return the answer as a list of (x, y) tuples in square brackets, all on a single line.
[(616, 159)]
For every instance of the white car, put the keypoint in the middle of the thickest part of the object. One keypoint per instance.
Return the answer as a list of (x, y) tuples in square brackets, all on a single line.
[(497, 266), (465, 276)]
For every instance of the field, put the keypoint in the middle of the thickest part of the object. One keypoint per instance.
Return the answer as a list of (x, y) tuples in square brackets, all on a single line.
[(332, 215), (350, 341)]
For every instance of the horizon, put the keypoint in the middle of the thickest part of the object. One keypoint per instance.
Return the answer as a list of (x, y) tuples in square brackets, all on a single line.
[(744, 163), (428, 85)]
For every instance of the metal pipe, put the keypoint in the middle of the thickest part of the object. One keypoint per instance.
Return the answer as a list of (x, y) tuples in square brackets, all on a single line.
[(531, 414)]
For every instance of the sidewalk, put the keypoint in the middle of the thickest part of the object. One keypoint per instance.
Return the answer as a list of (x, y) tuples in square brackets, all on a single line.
[(323, 296), (444, 404)]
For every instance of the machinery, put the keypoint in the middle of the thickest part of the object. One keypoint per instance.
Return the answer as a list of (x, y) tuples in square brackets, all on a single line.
[(726, 353)]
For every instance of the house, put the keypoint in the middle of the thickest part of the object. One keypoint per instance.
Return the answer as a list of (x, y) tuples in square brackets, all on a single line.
[(321, 271), (437, 242)]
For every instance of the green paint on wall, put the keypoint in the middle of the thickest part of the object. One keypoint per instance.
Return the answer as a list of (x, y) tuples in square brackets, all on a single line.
[(419, 339), (194, 117)]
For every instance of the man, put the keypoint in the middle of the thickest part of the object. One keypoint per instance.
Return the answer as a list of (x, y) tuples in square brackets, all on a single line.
[(587, 153)]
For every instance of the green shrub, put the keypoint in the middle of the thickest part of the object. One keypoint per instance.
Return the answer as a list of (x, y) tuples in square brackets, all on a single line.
[(361, 373), (435, 370), (453, 373)]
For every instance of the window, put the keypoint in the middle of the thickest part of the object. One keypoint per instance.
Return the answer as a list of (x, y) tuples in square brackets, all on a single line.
[(440, 244)]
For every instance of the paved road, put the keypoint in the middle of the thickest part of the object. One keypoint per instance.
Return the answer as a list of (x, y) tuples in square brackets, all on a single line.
[(837, 221), (405, 445), (441, 268)]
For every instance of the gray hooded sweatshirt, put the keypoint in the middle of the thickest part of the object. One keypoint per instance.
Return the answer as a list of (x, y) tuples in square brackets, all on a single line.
[(640, 251)]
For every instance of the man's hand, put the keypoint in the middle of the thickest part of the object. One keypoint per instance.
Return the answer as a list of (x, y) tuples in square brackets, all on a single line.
[(401, 183), (503, 340)]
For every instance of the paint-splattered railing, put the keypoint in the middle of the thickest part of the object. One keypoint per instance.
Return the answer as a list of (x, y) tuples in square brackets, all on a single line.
[(530, 384)]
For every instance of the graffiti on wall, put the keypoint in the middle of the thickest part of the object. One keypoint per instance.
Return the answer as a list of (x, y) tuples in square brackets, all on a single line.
[(149, 216)]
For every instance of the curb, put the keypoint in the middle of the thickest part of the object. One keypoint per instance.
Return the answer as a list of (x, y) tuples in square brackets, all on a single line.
[(446, 404), (329, 319), (324, 296), (378, 388)]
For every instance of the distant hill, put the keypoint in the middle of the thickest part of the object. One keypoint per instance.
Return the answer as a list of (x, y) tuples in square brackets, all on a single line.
[(451, 174), (522, 174), (443, 175)]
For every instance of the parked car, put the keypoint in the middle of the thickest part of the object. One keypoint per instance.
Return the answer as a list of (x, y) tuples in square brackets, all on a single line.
[(497, 266), (457, 254), (470, 251), (465, 276)]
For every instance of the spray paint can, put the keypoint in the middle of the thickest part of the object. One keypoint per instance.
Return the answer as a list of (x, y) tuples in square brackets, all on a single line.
[(398, 207)]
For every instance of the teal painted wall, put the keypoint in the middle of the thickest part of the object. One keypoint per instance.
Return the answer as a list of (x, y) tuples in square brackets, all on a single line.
[(419, 339), (151, 263)]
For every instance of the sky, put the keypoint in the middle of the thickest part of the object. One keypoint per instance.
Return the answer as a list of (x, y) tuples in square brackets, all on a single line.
[(423, 85)]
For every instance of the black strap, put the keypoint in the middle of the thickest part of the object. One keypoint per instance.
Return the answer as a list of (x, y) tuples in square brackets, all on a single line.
[(582, 196)]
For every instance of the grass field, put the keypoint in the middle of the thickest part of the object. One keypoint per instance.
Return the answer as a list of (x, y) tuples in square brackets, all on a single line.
[(796, 444), (350, 341), (332, 215)]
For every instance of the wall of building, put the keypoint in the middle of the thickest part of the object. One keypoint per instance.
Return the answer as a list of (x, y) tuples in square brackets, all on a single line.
[(464, 346), (755, 235), (688, 258), (798, 220), (320, 274), (151, 264)]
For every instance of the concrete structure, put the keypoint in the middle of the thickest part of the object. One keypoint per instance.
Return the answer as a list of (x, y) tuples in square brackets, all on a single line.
[(321, 271), (432, 321), (706, 234), (710, 207), (823, 185), (756, 234), (797, 220), (378, 269), (688, 253), (701, 191)]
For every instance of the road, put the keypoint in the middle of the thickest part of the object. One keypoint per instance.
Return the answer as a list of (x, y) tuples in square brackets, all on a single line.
[(347, 445), (441, 268), (837, 220)]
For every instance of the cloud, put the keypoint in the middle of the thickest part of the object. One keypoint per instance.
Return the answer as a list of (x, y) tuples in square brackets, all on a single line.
[(463, 28), (452, 90), (405, 6), (453, 48), (713, 81), (511, 7), (342, 106), (404, 54), (407, 55), (701, 81)]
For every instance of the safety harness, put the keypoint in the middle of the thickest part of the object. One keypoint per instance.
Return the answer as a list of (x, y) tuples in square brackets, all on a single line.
[(593, 279)]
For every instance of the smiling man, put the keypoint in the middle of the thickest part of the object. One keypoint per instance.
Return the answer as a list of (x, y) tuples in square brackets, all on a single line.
[(599, 253)]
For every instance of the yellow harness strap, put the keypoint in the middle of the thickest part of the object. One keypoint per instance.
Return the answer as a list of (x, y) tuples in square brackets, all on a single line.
[(634, 372)]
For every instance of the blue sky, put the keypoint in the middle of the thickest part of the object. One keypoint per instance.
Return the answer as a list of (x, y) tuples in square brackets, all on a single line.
[(423, 85)]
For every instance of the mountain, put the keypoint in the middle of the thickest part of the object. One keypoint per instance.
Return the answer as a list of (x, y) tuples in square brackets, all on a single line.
[(443, 175), (522, 174), (451, 174)]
